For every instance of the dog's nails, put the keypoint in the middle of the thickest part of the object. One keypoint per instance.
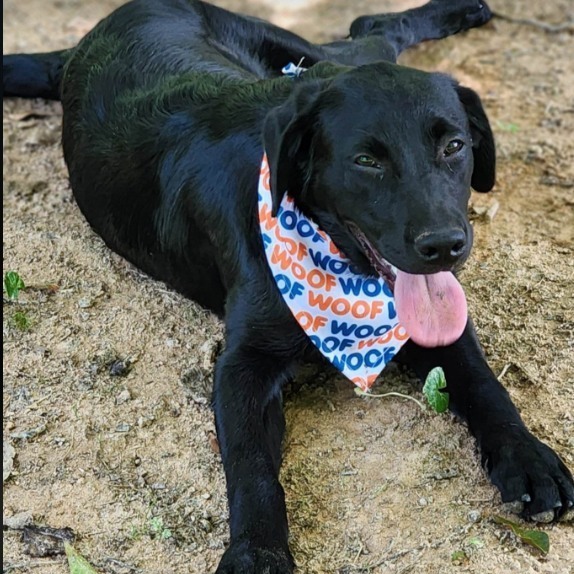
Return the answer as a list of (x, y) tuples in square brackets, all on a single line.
[(525, 498), (544, 517), (514, 507)]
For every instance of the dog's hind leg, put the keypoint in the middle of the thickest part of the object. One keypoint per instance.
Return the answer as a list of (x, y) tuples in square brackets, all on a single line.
[(435, 20), (385, 36), (33, 75)]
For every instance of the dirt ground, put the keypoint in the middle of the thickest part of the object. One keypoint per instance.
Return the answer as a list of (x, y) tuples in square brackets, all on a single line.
[(126, 456)]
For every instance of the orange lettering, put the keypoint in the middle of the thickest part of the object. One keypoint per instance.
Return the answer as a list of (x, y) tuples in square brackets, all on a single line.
[(367, 343), (289, 243), (341, 306), (360, 309), (316, 279), (302, 251), (281, 257), (298, 271), (319, 301), (266, 218), (305, 319), (330, 282), (400, 333), (386, 337), (376, 308), (265, 173)]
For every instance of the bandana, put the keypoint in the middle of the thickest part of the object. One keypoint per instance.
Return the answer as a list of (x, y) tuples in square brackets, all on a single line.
[(350, 317)]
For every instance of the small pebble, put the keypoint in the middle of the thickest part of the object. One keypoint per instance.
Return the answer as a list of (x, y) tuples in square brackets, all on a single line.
[(474, 516), (18, 521), (123, 397), (423, 501), (123, 427), (120, 368)]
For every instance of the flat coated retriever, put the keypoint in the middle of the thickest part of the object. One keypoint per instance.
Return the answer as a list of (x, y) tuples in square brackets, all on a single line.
[(174, 110)]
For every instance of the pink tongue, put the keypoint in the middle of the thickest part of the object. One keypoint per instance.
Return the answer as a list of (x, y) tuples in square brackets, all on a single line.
[(432, 308)]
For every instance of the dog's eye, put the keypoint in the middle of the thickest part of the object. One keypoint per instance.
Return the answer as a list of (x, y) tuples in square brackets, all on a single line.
[(452, 147), (367, 161)]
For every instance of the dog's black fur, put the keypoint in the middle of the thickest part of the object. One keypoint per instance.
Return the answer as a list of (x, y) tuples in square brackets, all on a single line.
[(168, 106)]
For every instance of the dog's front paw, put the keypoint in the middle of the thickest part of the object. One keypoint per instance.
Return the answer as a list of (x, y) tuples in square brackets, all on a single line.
[(247, 558), (531, 477)]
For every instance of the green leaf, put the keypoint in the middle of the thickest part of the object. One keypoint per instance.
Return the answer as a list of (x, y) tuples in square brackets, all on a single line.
[(508, 127), (536, 538), (77, 563), (21, 321), (165, 534), (475, 542), (458, 557), (435, 381), (13, 284)]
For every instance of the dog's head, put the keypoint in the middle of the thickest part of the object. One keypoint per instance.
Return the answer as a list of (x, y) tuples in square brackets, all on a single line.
[(382, 157)]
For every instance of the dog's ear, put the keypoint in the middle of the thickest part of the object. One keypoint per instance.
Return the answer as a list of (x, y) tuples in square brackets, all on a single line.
[(287, 136), (483, 149)]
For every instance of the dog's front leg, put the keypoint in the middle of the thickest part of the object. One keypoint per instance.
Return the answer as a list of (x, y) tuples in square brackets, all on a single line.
[(526, 471), (250, 424)]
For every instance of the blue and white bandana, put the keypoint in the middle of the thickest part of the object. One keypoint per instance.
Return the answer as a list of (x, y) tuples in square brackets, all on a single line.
[(350, 317)]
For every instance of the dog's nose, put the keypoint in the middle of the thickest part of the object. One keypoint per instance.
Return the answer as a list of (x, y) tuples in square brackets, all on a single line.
[(441, 247)]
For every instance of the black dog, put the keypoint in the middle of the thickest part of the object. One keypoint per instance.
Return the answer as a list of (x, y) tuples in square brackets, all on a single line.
[(168, 108)]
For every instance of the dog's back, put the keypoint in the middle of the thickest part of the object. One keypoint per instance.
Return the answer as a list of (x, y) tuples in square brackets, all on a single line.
[(146, 89)]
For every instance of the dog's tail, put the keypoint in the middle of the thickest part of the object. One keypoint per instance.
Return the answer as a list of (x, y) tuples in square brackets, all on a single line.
[(34, 75)]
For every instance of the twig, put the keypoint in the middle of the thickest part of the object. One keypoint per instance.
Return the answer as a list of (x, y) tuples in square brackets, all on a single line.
[(504, 371), (567, 26), (387, 559), (362, 393), (7, 568)]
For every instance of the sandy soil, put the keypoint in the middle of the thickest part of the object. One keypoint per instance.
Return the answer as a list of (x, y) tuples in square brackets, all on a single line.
[(128, 460)]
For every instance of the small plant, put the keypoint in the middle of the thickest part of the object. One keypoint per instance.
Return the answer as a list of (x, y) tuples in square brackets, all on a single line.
[(459, 557), (135, 532), (508, 127), (435, 381), (13, 284), (157, 528), (21, 321), (154, 528)]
